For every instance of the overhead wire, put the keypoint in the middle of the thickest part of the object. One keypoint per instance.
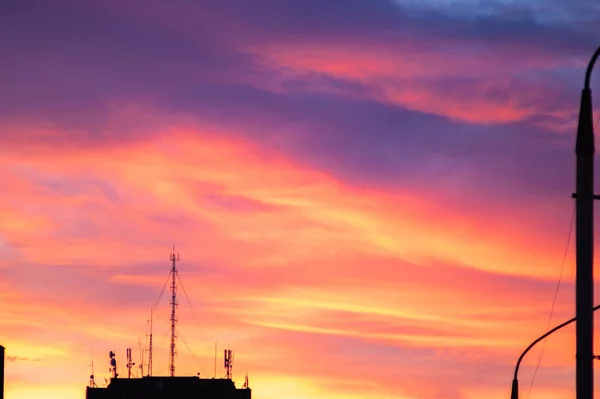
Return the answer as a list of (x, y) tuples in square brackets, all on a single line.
[(163, 339), (195, 318), (158, 298), (562, 267), (191, 352), (162, 291), (190, 305)]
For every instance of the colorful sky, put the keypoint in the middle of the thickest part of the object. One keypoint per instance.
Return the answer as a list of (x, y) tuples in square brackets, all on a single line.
[(371, 198)]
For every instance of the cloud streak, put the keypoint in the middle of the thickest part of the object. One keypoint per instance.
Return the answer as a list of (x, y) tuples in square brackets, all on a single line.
[(369, 198)]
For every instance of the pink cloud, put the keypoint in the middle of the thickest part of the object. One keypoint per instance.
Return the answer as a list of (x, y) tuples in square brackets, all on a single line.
[(413, 77), (272, 252)]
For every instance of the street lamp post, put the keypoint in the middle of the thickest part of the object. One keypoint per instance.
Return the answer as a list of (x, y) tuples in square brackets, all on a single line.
[(514, 393), (584, 237), (584, 233)]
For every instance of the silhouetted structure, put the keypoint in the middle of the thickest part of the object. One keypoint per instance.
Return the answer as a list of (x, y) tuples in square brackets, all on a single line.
[(174, 259), (169, 388), (584, 234), (1, 372)]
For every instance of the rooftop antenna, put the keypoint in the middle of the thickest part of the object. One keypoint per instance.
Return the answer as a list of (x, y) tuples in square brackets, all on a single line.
[(92, 382), (246, 384), (150, 346), (228, 364), (142, 352), (174, 259), (215, 360), (113, 365), (130, 364)]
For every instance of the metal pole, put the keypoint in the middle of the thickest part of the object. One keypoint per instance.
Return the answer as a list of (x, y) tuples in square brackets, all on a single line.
[(584, 283), (1, 372)]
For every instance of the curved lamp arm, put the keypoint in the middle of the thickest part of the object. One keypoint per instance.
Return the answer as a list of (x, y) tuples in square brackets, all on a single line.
[(515, 387), (585, 129), (588, 73)]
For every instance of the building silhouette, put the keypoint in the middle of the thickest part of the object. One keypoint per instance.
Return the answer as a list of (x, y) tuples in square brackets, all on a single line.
[(169, 388)]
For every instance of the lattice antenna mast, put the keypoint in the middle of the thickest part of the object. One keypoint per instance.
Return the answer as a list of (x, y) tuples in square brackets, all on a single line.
[(130, 364), (150, 346), (174, 260)]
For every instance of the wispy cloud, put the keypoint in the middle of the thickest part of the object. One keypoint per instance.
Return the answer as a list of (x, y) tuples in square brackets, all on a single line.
[(369, 198)]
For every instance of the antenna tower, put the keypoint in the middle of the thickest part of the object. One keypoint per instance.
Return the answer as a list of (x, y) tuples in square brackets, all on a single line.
[(150, 346), (228, 364), (174, 260), (130, 364)]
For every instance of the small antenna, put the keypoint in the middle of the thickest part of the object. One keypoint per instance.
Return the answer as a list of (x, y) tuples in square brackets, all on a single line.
[(215, 360), (150, 346), (92, 382), (142, 352), (130, 364), (246, 384), (113, 365)]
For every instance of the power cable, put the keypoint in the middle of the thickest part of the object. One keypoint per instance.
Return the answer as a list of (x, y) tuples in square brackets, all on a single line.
[(161, 292), (557, 286), (191, 352), (562, 267), (190, 305), (163, 339)]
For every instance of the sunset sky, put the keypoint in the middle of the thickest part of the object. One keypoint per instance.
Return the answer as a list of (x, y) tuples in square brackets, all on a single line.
[(371, 198)]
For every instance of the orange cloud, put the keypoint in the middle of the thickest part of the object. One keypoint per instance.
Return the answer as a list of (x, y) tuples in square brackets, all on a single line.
[(277, 259)]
